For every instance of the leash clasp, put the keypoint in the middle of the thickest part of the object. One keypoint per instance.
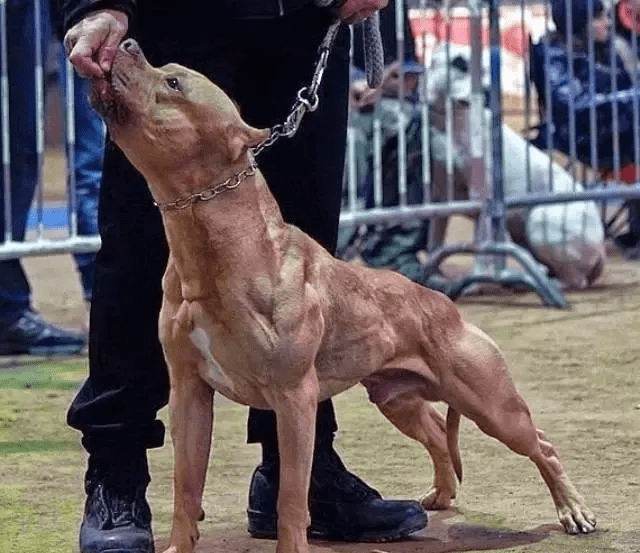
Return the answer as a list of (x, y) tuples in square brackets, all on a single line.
[(306, 99)]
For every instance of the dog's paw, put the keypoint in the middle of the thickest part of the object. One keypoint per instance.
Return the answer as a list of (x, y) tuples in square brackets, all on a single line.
[(437, 500), (577, 519), (179, 549), (183, 542)]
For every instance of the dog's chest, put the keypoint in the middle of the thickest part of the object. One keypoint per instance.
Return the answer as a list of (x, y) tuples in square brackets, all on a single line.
[(213, 372)]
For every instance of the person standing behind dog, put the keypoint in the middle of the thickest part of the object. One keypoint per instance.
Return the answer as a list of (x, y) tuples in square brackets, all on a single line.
[(260, 53), (22, 329)]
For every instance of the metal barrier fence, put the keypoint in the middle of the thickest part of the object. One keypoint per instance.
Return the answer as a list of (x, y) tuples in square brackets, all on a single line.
[(452, 138), (39, 244)]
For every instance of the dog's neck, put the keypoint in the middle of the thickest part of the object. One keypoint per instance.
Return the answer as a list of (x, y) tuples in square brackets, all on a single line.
[(212, 240), (209, 192), (169, 186)]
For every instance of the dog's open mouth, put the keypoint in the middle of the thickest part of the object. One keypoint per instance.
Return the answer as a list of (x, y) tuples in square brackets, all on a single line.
[(107, 101)]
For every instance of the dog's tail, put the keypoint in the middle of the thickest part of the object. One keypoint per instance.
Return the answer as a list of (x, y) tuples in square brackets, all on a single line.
[(453, 426)]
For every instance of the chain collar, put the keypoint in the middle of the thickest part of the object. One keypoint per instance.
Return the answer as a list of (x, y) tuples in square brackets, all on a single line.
[(209, 193)]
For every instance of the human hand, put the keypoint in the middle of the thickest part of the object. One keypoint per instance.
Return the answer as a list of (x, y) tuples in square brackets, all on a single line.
[(92, 42), (353, 11), (360, 95)]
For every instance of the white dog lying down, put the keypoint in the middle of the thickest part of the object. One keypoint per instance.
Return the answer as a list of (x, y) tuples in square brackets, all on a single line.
[(568, 238)]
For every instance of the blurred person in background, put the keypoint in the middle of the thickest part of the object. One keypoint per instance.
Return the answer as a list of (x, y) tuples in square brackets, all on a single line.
[(89, 131), (627, 28)]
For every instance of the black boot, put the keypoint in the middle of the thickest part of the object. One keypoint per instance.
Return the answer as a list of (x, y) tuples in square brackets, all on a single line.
[(117, 517), (342, 506)]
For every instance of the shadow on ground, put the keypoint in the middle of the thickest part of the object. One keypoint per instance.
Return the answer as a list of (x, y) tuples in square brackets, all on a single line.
[(438, 537)]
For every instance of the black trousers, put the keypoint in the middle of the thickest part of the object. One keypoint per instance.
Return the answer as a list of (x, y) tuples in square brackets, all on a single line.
[(261, 64)]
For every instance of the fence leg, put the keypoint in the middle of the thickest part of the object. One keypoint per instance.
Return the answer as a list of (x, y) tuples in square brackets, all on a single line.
[(532, 277)]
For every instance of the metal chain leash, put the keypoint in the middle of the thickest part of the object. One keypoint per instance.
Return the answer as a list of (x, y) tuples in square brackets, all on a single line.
[(211, 192), (307, 98)]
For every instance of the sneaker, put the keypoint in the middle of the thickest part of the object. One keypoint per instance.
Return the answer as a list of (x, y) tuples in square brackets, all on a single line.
[(117, 517), (342, 506), (30, 335)]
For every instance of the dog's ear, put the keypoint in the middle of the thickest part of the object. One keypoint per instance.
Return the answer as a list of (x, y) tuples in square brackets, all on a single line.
[(241, 137)]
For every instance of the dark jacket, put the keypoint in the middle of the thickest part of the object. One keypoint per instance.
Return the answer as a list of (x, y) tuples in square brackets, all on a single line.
[(185, 16), (573, 17), (612, 85)]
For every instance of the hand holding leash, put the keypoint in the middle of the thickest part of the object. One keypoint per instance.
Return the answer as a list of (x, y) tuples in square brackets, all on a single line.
[(366, 13), (307, 100)]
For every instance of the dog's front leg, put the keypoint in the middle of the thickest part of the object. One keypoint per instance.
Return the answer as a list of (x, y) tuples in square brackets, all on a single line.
[(296, 420), (191, 407)]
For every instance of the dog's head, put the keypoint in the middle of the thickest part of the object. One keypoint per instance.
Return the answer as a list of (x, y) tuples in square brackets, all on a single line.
[(167, 117), (450, 73)]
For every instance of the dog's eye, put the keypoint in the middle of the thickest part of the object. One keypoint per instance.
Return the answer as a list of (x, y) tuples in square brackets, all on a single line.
[(173, 84)]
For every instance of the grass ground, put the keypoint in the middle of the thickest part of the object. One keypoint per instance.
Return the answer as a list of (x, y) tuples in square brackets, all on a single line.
[(577, 368)]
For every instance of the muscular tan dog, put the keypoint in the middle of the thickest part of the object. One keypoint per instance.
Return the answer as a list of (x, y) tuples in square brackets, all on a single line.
[(257, 310)]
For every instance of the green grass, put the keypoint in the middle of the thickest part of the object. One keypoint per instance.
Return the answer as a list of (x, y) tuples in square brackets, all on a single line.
[(21, 522), (43, 376), (37, 446), (41, 461)]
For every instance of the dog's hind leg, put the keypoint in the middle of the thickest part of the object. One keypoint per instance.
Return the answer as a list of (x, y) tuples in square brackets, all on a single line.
[(191, 408), (480, 388), (514, 427), (573, 512), (418, 419)]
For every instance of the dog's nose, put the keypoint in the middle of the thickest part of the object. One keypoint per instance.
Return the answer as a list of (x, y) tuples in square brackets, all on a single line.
[(131, 47)]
